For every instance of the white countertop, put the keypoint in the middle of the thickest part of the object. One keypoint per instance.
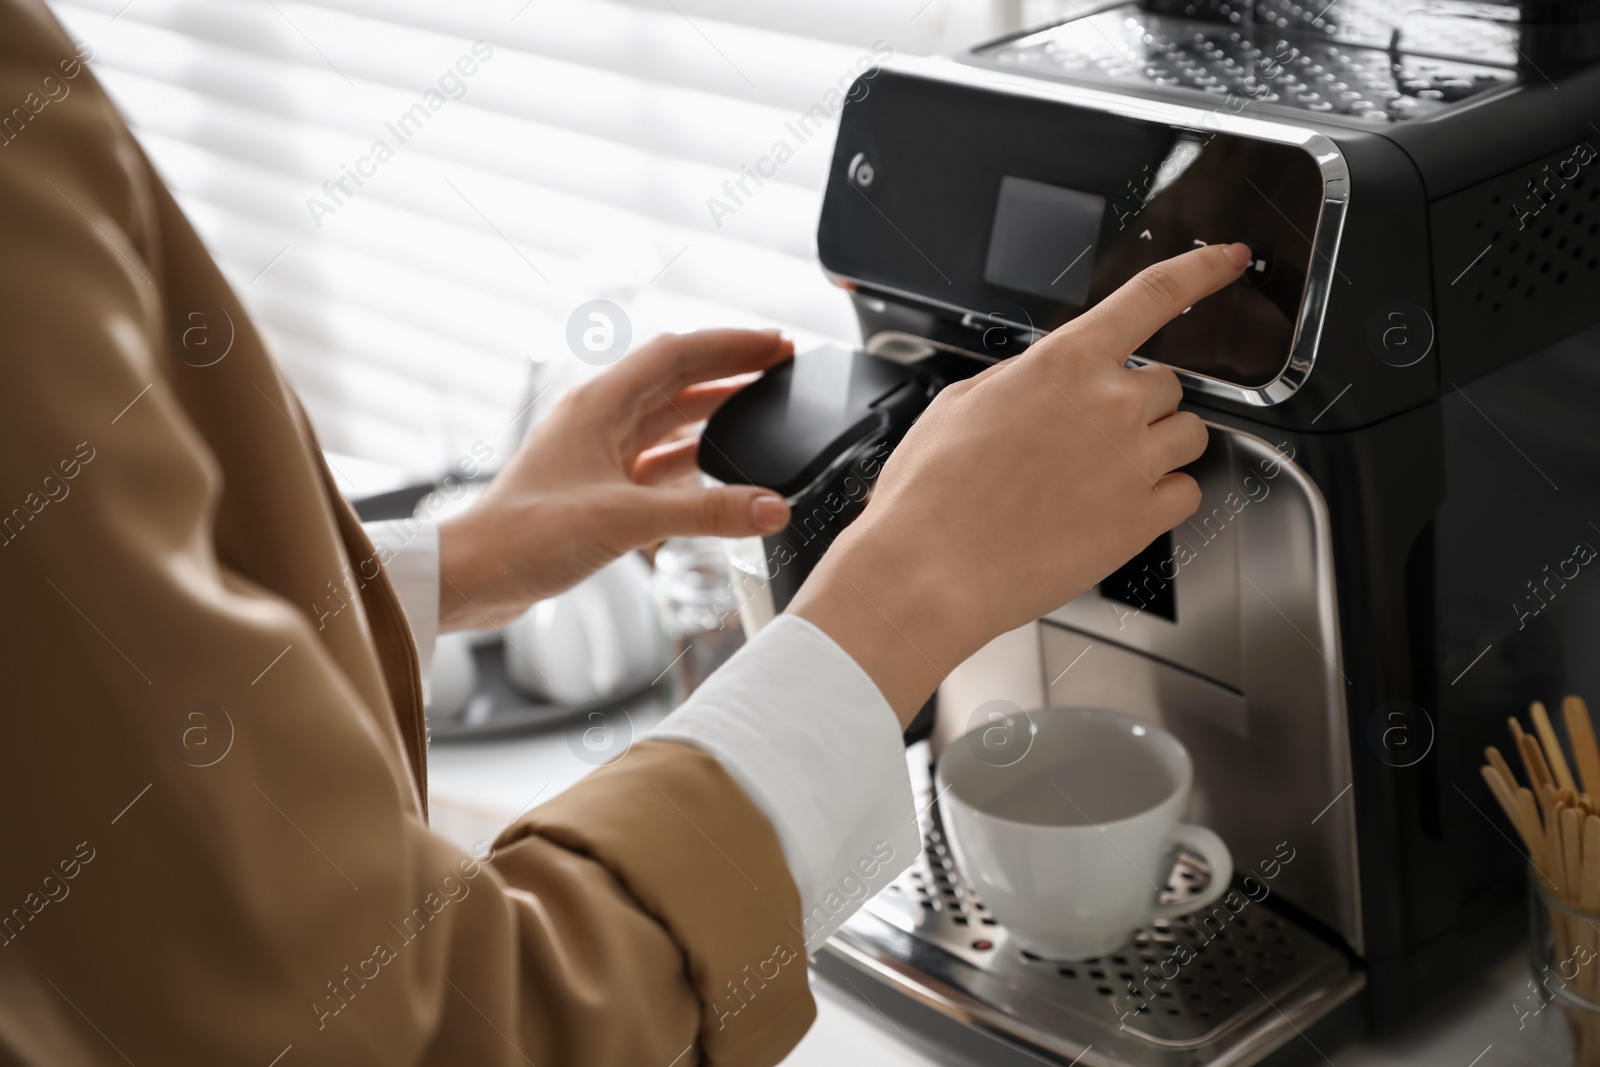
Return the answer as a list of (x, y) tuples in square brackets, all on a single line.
[(477, 787)]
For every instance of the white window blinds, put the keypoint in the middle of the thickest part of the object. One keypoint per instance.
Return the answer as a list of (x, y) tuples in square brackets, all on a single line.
[(412, 196)]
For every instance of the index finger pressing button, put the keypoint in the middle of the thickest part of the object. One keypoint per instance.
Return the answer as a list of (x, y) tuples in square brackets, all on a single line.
[(1158, 294)]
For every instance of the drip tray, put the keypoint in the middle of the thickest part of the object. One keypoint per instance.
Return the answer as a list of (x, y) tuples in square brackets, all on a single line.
[(1217, 987)]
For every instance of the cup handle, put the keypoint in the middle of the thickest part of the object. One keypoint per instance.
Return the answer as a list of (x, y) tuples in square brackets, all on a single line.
[(1210, 848)]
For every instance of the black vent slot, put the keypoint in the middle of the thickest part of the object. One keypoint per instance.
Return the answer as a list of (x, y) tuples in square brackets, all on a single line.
[(1145, 581), (1516, 260)]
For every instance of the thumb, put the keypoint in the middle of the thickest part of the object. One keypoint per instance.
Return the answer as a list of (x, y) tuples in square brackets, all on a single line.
[(723, 511)]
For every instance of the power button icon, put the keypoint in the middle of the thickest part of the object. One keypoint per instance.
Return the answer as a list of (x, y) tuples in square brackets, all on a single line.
[(861, 172)]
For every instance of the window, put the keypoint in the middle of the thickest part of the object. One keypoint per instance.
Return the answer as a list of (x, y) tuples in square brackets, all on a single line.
[(412, 197)]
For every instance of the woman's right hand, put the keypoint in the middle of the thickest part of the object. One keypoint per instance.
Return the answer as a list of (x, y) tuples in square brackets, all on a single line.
[(1019, 489)]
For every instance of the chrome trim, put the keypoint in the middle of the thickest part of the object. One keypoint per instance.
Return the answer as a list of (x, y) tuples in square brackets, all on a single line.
[(1324, 244)]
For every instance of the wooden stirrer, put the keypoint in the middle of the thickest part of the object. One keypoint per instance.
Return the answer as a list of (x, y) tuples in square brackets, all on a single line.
[(1498, 762), (1517, 734), (1506, 794), (1589, 897), (1552, 747), (1533, 760), (1533, 835), (1572, 853), (1555, 869), (1585, 752)]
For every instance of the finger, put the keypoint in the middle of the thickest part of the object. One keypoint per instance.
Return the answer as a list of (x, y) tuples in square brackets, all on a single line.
[(673, 361), (1163, 391), (1158, 294), (725, 511), (667, 463), (691, 405), (1177, 498), (1179, 440)]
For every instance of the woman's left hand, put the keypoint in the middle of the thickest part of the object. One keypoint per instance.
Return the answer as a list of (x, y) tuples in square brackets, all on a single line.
[(608, 471)]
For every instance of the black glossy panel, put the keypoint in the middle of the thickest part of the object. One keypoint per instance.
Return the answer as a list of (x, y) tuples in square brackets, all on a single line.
[(784, 429), (939, 152)]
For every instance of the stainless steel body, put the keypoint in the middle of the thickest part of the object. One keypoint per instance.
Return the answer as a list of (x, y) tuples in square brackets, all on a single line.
[(1247, 674), (1248, 677)]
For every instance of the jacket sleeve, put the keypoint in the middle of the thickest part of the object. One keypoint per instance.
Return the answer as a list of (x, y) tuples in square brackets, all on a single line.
[(213, 847)]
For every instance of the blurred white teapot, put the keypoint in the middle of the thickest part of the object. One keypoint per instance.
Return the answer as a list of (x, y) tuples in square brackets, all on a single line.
[(598, 640)]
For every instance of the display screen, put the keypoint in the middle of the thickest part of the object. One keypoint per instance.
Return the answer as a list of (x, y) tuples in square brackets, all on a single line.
[(1043, 239)]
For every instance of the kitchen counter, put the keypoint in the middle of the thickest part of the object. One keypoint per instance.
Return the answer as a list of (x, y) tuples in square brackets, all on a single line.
[(477, 787)]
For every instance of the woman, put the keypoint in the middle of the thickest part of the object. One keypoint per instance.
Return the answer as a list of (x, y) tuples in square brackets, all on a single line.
[(174, 559)]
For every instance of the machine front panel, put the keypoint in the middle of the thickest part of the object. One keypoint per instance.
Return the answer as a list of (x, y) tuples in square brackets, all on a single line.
[(1029, 211)]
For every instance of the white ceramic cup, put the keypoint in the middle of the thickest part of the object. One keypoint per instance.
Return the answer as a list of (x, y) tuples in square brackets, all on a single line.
[(1066, 822)]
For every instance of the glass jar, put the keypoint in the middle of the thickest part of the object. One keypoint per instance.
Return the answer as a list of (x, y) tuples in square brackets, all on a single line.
[(1564, 950), (698, 607)]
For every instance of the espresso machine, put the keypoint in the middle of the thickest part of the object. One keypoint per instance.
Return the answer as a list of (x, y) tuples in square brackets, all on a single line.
[(1401, 493)]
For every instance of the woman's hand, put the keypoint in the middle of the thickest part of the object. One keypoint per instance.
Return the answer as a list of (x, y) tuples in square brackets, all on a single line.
[(607, 472), (1019, 489)]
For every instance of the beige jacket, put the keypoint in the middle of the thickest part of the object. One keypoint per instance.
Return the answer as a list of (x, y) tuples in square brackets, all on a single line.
[(213, 837)]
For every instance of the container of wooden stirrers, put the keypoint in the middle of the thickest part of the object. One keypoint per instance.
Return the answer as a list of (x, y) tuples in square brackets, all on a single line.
[(1557, 815), (1564, 943)]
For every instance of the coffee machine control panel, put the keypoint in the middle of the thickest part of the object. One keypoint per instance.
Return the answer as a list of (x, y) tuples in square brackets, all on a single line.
[(982, 199)]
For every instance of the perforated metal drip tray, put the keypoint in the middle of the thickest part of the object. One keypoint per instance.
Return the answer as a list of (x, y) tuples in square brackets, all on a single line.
[(1371, 60), (1218, 987)]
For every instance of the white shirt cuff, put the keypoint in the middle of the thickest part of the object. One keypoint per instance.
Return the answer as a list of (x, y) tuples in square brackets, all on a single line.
[(806, 733), (408, 552)]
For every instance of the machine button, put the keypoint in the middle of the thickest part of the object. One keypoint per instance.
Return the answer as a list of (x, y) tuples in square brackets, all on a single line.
[(861, 172), (1260, 268)]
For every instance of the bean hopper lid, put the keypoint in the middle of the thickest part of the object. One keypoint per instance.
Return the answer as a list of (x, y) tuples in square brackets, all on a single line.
[(800, 418)]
